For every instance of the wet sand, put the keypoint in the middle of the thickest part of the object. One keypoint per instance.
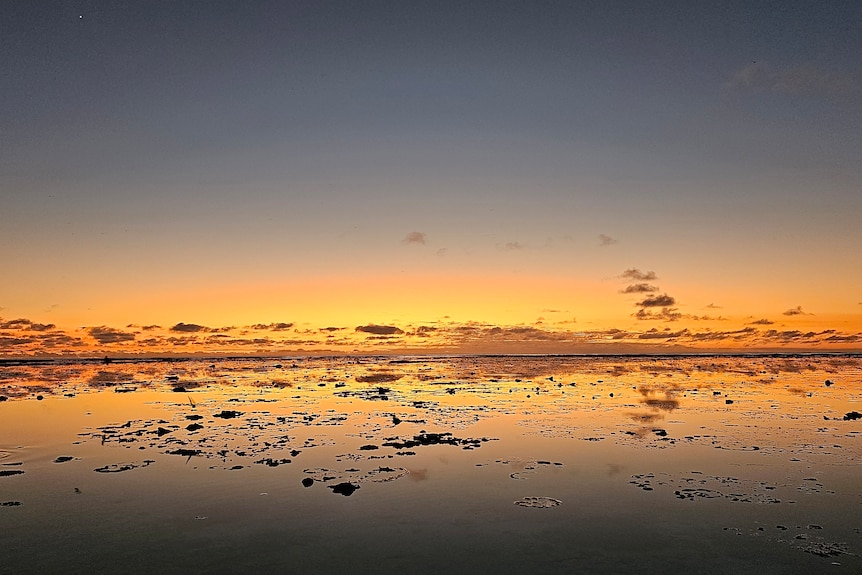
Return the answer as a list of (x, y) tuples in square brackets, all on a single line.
[(419, 465)]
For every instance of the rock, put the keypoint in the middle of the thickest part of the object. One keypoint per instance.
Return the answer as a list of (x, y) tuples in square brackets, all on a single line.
[(829, 382), (368, 447), (39, 398), (728, 401), (3, 398), (179, 389), (194, 427), (185, 452), (63, 459), (344, 488), (194, 417), (228, 414), (162, 431), (11, 503), (852, 415), (8, 472), (307, 482)]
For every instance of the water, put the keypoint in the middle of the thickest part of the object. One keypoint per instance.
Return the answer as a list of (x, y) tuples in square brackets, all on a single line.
[(423, 464)]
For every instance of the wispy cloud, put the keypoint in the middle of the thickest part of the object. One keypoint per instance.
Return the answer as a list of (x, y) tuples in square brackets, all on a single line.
[(414, 238), (637, 275), (760, 76), (761, 322), (281, 326), (606, 240), (796, 311), (639, 288), (513, 246)]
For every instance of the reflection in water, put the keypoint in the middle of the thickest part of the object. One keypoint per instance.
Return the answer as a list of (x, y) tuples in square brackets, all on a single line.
[(433, 450)]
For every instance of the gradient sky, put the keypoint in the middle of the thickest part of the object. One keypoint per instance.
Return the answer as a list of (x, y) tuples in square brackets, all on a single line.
[(479, 176)]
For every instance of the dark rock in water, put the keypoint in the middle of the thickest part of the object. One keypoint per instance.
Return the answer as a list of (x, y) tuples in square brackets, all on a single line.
[(185, 452), (8, 472), (270, 462), (194, 417), (829, 382), (194, 426), (172, 378), (11, 503), (179, 389), (39, 398), (728, 401), (345, 488), (162, 431), (235, 467), (368, 447), (307, 482), (3, 398), (63, 459), (660, 432), (395, 420), (852, 415), (116, 468), (228, 414)]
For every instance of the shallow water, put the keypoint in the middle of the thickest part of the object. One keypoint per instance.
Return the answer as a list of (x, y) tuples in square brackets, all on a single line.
[(423, 464)]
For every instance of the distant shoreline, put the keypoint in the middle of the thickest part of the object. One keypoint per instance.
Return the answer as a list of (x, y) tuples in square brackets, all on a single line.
[(399, 357)]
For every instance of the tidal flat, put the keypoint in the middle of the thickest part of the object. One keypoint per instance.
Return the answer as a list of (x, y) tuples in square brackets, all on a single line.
[(503, 464)]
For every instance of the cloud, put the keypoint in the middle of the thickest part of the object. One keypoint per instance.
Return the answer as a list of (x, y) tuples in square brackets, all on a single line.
[(414, 238), (26, 324), (639, 288), (281, 326), (189, 328), (666, 314), (513, 246), (795, 311), (713, 306), (104, 335), (605, 240), (795, 80), (195, 328), (662, 300), (331, 329), (379, 329), (637, 275), (761, 322)]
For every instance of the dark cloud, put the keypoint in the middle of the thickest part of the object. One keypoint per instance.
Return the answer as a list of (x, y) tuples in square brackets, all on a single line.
[(188, 328), (637, 275), (761, 322), (662, 300), (414, 238), (22, 323), (281, 326), (331, 329), (605, 240), (640, 288), (379, 329), (713, 306), (666, 334), (795, 311), (195, 328), (105, 335)]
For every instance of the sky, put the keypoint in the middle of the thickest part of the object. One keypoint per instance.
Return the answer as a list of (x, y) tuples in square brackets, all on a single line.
[(208, 177)]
